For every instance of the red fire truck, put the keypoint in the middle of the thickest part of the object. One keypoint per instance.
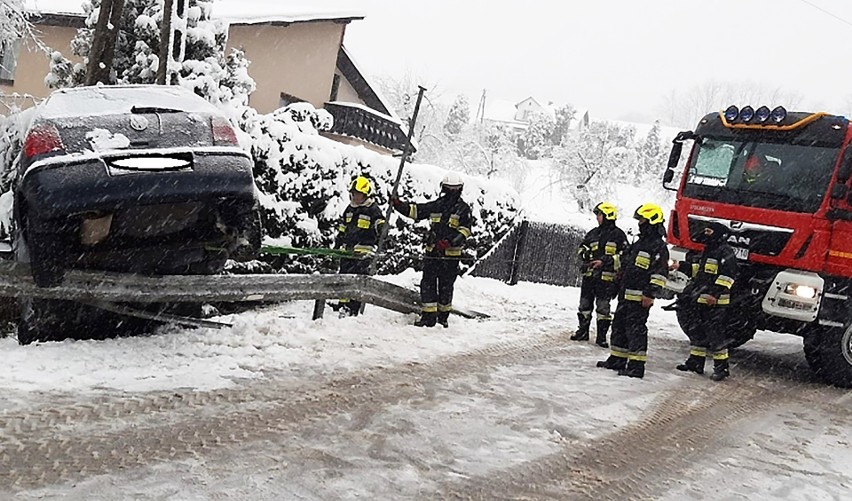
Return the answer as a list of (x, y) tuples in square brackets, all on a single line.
[(781, 182)]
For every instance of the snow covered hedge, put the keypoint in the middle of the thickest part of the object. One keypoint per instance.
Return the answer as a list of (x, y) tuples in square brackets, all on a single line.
[(303, 178), (303, 181)]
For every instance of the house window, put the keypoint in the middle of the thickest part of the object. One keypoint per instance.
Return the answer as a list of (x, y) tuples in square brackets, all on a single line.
[(335, 87), (287, 99), (8, 61)]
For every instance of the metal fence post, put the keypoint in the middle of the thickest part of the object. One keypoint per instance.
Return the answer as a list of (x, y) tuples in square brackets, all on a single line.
[(518, 254)]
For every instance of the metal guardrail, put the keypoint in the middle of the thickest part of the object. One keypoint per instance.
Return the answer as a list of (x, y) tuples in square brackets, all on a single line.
[(98, 287)]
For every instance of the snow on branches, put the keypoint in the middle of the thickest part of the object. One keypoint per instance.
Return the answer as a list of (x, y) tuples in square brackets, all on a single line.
[(204, 67)]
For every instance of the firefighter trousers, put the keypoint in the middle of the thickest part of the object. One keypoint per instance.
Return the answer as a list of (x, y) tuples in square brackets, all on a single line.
[(353, 267), (629, 331), (595, 292), (436, 288), (706, 331)]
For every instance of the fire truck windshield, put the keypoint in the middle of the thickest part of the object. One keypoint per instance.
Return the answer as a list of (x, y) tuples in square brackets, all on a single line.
[(760, 174)]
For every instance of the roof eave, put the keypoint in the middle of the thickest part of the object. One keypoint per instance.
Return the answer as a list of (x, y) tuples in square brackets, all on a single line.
[(58, 19)]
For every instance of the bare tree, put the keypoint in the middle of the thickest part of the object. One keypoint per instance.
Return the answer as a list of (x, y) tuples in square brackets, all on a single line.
[(683, 108)]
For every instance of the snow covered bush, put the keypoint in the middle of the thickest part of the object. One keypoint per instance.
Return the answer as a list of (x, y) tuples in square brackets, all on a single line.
[(304, 177)]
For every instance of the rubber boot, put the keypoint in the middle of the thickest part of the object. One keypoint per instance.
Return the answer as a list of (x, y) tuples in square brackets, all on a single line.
[(635, 368), (444, 318), (693, 364), (613, 363), (582, 333), (427, 319), (600, 338), (720, 370)]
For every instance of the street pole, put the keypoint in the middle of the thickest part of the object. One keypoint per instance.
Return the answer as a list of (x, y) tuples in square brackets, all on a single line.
[(395, 191)]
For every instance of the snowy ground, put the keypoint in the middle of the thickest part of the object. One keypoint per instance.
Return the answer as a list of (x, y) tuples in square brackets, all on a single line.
[(279, 407)]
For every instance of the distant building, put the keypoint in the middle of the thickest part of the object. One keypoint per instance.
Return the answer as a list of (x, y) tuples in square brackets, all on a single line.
[(296, 53)]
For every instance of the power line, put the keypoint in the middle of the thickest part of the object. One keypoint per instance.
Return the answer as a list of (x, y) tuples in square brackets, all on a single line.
[(835, 16)]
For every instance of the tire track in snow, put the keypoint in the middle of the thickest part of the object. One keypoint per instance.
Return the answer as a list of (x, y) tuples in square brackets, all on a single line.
[(642, 460), (48, 446)]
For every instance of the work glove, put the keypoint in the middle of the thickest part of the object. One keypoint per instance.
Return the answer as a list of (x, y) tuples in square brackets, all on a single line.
[(442, 244)]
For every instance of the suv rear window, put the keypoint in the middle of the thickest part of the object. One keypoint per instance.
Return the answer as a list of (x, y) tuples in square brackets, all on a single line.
[(91, 101)]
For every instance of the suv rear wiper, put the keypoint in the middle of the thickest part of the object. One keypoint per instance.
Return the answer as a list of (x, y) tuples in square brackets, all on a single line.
[(153, 109)]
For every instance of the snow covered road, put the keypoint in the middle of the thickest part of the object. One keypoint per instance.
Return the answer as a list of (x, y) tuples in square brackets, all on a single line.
[(509, 408)]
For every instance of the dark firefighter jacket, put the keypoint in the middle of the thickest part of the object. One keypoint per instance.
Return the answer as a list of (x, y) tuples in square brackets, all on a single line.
[(606, 243), (451, 220), (645, 265), (360, 227), (712, 272)]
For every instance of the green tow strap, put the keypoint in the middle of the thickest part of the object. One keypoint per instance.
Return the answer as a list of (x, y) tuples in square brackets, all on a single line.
[(277, 251)]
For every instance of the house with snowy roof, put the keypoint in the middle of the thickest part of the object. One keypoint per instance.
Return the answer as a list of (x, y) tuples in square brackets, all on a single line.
[(513, 115), (296, 51)]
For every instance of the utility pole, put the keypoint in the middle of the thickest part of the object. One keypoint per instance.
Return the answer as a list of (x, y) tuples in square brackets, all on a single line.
[(480, 110), (102, 51)]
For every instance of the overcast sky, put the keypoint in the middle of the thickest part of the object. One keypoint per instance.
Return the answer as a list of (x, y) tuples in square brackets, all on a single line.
[(619, 58)]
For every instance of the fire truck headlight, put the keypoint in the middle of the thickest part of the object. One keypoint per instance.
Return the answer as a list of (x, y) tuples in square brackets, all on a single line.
[(778, 114), (746, 114), (732, 113), (762, 114), (802, 291)]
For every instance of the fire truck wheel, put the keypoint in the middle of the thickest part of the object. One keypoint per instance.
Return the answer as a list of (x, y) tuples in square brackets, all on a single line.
[(831, 355), (810, 343)]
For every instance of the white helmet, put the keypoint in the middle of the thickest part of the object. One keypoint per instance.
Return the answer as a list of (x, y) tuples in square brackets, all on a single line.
[(452, 180)]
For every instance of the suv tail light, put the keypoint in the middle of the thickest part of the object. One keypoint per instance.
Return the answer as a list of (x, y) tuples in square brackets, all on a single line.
[(43, 138), (223, 133)]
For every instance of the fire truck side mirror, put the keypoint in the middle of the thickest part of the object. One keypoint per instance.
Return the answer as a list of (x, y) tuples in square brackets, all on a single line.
[(845, 170), (674, 156)]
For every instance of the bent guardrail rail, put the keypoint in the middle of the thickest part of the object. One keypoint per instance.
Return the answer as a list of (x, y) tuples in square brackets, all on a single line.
[(100, 286)]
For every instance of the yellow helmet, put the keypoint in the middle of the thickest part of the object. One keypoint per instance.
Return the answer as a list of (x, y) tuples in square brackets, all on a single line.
[(362, 185), (652, 212), (609, 212)]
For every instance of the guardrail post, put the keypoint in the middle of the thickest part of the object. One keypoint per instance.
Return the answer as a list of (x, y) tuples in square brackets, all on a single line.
[(319, 309)]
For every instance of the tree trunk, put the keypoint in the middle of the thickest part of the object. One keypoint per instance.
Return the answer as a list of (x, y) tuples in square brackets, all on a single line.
[(103, 42), (165, 42)]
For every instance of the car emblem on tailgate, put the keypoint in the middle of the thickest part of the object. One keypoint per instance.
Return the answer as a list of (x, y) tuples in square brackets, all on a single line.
[(138, 122)]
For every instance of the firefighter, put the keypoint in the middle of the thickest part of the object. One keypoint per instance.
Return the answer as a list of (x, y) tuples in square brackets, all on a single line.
[(600, 253), (358, 233), (644, 268), (707, 297), (451, 222)]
